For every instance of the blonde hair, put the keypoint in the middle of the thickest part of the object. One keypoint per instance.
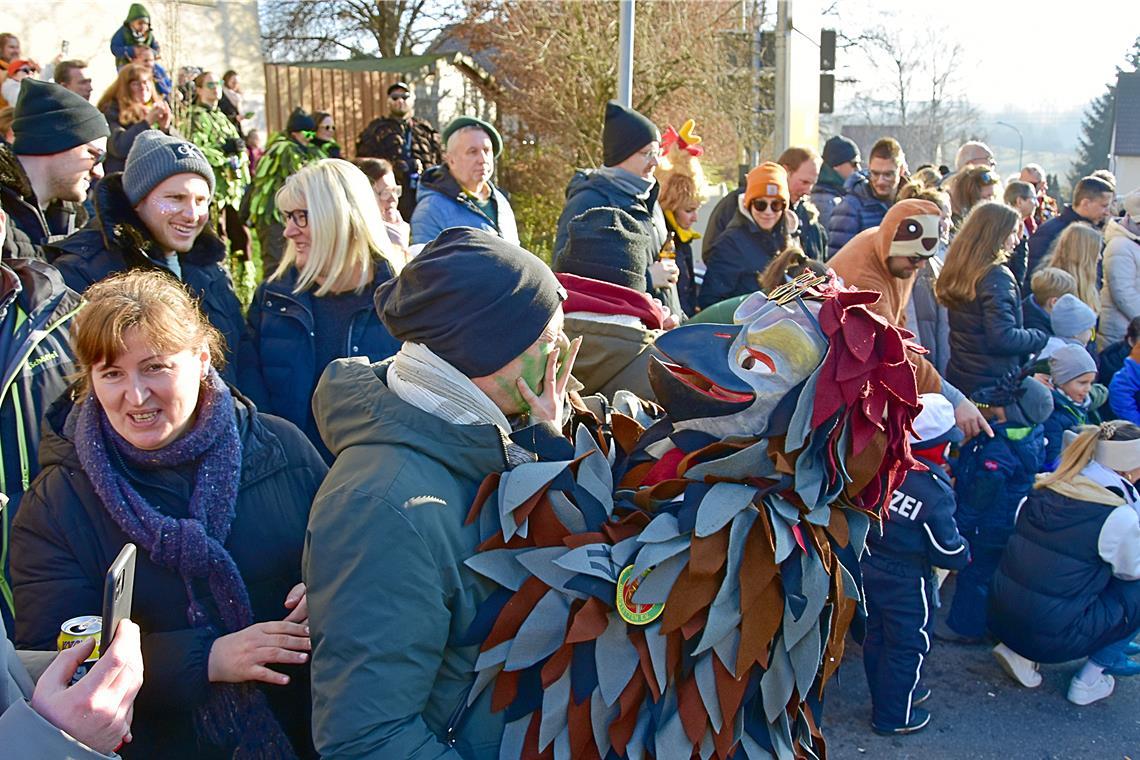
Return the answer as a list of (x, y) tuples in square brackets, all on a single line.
[(975, 250), (1076, 251), (346, 231), (679, 192), (1051, 282), (1081, 451), (119, 93), (157, 305)]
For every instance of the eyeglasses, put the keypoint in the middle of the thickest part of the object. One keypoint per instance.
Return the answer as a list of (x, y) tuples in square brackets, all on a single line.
[(916, 261), (24, 70), (760, 205), (97, 155), (649, 154), (211, 85), (390, 193), (398, 96), (300, 217)]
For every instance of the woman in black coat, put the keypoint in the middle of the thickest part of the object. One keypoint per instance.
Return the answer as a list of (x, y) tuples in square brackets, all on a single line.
[(757, 234), (158, 452), (988, 338)]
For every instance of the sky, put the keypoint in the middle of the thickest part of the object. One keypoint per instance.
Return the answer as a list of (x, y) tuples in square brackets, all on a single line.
[(1019, 52), (1032, 65)]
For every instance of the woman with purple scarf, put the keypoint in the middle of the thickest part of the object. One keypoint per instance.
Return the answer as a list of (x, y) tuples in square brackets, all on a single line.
[(158, 451)]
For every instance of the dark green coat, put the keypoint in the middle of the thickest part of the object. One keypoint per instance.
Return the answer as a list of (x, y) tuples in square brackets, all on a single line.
[(389, 597)]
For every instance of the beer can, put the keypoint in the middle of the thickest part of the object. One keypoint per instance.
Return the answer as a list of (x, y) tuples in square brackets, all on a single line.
[(77, 630)]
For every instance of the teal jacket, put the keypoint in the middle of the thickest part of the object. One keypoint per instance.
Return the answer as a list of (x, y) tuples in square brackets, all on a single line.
[(390, 600)]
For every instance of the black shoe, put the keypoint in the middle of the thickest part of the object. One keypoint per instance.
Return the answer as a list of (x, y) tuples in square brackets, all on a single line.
[(919, 719), (950, 636), (921, 694)]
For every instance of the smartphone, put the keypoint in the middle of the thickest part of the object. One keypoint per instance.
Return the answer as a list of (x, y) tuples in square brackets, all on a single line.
[(118, 592)]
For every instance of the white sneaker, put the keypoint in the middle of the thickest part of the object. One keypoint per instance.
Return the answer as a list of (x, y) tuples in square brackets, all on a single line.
[(1020, 669), (1081, 693)]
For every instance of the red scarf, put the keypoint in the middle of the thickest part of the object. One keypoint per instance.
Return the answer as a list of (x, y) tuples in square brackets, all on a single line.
[(937, 454), (600, 297)]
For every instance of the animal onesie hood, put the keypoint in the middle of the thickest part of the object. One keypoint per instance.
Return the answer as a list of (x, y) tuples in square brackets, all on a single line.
[(862, 263)]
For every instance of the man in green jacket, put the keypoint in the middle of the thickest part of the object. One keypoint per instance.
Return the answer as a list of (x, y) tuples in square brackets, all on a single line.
[(478, 387)]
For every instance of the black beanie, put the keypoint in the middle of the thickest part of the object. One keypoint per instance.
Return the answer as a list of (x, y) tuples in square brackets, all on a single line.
[(607, 244), (625, 132), (51, 119), (471, 297), (300, 121)]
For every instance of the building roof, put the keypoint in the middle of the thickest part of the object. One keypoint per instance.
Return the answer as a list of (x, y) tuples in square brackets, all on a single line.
[(1127, 128)]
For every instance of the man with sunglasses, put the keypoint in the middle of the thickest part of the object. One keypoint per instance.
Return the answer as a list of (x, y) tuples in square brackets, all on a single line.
[(410, 144), (60, 141), (869, 194)]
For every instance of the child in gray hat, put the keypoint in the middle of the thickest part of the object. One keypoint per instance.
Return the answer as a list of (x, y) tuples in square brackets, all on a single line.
[(1077, 397)]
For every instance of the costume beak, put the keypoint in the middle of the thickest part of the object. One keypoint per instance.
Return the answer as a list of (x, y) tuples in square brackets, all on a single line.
[(695, 381)]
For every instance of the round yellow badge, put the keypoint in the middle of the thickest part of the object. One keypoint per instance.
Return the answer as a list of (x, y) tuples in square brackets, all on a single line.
[(636, 614)]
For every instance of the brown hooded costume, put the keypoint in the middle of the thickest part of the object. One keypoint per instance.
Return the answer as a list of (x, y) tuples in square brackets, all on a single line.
[(862, 263)]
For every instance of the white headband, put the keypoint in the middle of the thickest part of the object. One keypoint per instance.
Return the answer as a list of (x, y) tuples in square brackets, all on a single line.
[(1120, 456)]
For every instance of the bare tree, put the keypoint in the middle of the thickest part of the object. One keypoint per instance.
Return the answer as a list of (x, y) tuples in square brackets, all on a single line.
[(923, 98), (320, 29)]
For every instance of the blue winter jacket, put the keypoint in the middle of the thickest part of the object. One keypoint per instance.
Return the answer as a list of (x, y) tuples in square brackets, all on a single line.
[(277, 367), (859, 210), (1124, 392), (827, 193), (993, 475), (441, 203), (587, 190), (1067, 414), (1053, 597)]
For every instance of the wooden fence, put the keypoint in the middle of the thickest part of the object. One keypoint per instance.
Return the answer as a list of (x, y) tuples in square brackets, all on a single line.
[(354, 98)]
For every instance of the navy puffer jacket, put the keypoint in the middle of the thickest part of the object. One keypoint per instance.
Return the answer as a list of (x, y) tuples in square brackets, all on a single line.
[(1054, 599), (859, 210), (988, 339), (277, 366)]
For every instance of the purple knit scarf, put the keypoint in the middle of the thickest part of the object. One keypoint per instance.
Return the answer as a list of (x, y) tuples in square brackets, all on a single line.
[(234, 715)]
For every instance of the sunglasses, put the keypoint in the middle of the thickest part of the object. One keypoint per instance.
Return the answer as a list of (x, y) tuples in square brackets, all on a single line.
[(24, 70), (760, 205), (211, 85), (989, 178), (97, 155), (300, 217), (397, 96), (917, 260)]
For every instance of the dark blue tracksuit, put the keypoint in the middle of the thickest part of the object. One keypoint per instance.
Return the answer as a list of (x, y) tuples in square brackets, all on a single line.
[(919, 534)]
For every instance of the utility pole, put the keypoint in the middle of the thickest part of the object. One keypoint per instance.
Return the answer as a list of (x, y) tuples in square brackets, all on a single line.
[(783, 124), (625, 53), (1020, 143)]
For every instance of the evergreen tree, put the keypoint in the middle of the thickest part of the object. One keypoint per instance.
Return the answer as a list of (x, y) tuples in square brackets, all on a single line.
[(1096, 127)]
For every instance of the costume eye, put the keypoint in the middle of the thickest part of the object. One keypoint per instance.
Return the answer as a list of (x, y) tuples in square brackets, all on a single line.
[(909, 229), (758, 362)]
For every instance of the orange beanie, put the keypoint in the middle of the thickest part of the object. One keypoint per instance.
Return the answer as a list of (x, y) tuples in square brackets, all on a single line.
[(768, 180)]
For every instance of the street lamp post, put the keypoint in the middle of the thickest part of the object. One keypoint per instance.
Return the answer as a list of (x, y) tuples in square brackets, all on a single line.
[(1020, 143)]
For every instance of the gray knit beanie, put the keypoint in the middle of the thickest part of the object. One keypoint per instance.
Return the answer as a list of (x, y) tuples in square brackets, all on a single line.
[(1070, 362), (156, 156), (1071, 316)]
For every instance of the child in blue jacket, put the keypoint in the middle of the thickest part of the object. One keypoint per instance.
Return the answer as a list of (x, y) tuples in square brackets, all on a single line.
[(1076, 398), (1124, 390), (993, 475), (135, 32), (918, 535)]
